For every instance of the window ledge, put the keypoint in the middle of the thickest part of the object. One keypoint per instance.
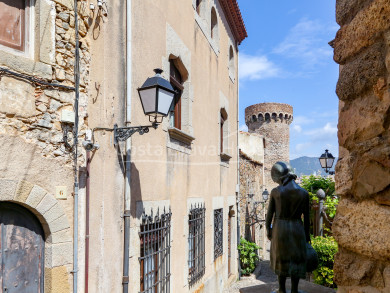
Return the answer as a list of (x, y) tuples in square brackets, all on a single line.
[(180, 135), (225, 157), (25, 65)]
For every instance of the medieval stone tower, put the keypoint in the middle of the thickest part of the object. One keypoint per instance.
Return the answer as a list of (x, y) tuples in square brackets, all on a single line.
[(272, 121)]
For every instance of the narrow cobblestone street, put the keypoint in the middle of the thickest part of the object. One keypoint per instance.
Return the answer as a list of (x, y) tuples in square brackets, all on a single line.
[(265, 276)]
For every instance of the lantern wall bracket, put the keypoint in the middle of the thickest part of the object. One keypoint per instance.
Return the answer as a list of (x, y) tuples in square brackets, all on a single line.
[(123, 133)]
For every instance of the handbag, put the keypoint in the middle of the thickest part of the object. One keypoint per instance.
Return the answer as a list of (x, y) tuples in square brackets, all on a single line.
[(311, 258)]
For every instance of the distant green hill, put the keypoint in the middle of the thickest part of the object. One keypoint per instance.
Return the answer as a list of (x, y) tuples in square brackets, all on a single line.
[(308, 165)]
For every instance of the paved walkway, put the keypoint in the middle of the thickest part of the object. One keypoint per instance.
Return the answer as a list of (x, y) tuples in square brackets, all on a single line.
[(265, 276), (267, 281)]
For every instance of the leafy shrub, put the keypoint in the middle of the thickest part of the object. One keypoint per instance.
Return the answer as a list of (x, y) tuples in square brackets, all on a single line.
[(313, 183), (326, 248), (248, 256)]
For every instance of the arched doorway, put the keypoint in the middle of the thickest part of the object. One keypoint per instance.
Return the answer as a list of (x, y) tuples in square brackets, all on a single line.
[(22, 250)]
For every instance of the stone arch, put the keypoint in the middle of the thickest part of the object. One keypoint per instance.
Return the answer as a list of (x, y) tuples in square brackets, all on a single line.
[(267, 117), (285, 116), (58, 239), (274, 117), (281, 116), (254, 118), (260, 117)]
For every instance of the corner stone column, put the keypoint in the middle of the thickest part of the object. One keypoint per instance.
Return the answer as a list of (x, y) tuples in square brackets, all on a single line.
[(362, 225)]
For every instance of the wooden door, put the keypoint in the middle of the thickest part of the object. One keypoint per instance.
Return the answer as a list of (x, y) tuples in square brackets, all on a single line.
[(22, 250)]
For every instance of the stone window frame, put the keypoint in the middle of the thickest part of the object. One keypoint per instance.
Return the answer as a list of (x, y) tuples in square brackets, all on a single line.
[(204, 22), (218, 202), (179, 139), (40, 54), (224, 150), (231, 61), (191, 201), (148, 206)]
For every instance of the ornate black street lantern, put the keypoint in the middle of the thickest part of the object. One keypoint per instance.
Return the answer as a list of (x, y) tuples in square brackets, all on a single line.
[(326, 161), (156, 96)]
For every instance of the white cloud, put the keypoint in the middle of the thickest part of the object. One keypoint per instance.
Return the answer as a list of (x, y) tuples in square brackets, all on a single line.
[(302, 120), (297, 128), (306, 41), (256, 67), (325, 133)]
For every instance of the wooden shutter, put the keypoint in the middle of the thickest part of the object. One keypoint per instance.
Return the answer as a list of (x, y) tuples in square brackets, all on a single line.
[(13, 23)]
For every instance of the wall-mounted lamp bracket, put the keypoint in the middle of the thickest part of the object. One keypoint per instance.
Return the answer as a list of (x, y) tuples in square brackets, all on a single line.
[(123, 133)]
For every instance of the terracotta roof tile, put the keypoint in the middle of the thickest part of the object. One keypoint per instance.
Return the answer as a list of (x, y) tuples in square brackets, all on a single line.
[(234, 18)]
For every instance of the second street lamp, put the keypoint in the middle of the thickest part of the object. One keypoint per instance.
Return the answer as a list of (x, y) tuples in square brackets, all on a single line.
[(326, 161)]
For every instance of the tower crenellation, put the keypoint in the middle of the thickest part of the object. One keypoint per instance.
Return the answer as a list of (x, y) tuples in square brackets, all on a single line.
[(272, 121)]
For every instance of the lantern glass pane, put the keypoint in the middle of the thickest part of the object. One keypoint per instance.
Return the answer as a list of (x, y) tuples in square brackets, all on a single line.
[(148, 99), (329, 162), (323, 162), (164, 101)]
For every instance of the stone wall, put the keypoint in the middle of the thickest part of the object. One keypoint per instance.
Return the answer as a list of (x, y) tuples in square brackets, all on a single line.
[(361, 226), (272, 121), (34, 159), (33, 112), (251, 181)]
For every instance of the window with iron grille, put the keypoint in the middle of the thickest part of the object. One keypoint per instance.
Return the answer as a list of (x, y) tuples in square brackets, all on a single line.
[(155, 252), (218, 233), (196, 244)]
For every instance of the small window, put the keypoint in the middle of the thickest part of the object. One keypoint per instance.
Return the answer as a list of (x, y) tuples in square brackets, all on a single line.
[(198, 4), (155, 253), (177, 83), (196, 244), (218, 233), (231, 62), (13, 23), (214, 24), (223, 131)]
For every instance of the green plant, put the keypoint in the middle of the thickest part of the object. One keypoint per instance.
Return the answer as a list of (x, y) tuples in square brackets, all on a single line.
[(313, 183), (248, 256), (326, 248)]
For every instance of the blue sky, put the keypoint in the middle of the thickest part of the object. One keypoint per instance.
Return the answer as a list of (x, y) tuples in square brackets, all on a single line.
[(286, 59)]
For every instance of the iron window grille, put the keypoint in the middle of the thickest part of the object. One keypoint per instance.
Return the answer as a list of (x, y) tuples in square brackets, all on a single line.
[(196, 243), (218, 233), (155, 252)]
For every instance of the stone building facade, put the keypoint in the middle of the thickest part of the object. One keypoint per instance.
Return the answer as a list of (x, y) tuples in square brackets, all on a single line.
[(251, 203), (34, 159), (361, 226), (178, 175), (272, 121)]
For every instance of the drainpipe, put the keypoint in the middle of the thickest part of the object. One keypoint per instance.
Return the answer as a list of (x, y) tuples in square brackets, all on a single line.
[(75, 145), (126, 213), (238, 172), (87, 188)]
